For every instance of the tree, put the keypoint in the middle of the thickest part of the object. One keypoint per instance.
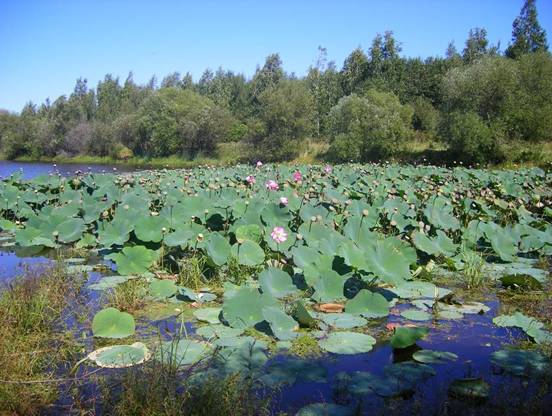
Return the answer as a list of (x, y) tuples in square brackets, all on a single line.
[(527, 34), (370, 127), (268, 76), (476, 45), (354, 71), (470, 139), (286, 120)]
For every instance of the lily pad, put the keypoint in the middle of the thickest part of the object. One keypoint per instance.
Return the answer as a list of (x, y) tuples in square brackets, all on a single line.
[(112, 323), (347, 343), (120, 356), (404, 337)]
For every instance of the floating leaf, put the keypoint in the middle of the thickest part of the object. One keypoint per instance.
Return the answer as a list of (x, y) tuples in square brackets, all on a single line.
[(416, 315), (282, 325), (404, 337), (434, 357), (112, 323), (120, 356), (162, 289), (210, 315), (276, 282), (347, 343), (368, 304)]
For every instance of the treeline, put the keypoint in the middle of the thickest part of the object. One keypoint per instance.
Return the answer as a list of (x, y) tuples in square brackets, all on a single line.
[(476, 101)]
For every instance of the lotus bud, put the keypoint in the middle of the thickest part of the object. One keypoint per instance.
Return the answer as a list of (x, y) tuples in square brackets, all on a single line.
[(246, 203), (55, 234), (299, 237), (206, 211), (240, 240), (105, 214), (365, 213), (393, 223), (126, 207), (200, 237), (163, 230), (319, 218), (313, 219)]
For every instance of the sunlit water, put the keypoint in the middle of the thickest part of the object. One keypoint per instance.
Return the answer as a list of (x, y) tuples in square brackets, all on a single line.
[(31, 170)]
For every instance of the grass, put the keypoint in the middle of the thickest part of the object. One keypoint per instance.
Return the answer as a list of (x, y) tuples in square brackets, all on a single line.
[(172, 389), (472, 274), (128, 296), (33, 344), (418, 150)]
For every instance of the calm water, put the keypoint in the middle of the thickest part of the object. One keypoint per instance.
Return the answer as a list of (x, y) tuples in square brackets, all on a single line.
[(32, 169)]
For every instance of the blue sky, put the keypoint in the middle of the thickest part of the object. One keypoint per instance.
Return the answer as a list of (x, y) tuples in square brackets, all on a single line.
[(46, 45)]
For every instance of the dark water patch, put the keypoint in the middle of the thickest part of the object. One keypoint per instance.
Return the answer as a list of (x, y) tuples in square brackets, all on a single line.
[(30, 170)]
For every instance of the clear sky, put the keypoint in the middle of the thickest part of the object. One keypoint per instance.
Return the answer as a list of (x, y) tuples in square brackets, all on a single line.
[(46, 45)]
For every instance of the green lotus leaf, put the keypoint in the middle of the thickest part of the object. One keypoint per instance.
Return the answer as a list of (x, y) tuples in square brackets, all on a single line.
[(150, 229), (210, 315), (162, 289), (134, 260), (416, 315), (218, 248), (342, 320), (248, 253), (439, 245), (304, 256), (182, 352), (368, 304), (434, 357), (6, 225), (328, 287), (245, 307), (114, 233), (71, 230), (218, 331), (347, 343), (387, 262), (109, 282), (404, 337), (282, 325), (439, 212), (302, 315), (120, 356), (502, 240), (251, 232), (471, 388), (112, 323), (531, 326), (276, 282), (521, 362)]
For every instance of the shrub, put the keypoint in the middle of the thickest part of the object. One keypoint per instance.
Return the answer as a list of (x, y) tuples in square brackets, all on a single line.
[(470, 139), (371, 127), (425, 117)]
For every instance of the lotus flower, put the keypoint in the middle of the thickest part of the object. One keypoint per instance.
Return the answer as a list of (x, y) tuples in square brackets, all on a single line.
[(259, 163), (250, 179), (328, 169), (297, 176), (283, 201), (279, 235), (272, 185)]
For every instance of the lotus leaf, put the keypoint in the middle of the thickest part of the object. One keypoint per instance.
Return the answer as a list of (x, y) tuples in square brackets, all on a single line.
[(134, 260), (368, 304), (404, 337), (218, 249), (210, 315), (521, 362), (248, 253), (112, 323), (244, 308), (347, 343), (282, 325), (434, 357), (120, 356), (276, 282)]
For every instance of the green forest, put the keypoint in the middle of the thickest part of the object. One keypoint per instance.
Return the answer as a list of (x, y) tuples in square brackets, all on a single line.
[(478, 103)]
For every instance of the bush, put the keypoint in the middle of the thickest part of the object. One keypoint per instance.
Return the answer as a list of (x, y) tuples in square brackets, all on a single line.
[(470, 139), (366, 128), (425, 117), (286, 116)]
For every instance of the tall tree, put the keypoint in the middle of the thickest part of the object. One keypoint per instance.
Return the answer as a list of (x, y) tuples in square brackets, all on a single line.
[(354, 71), (527, 34), (476, 45)]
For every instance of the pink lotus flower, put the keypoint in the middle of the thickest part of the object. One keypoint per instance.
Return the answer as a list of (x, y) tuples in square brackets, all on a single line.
[(283, 201), (250, 179), (279, 235), (297, 176), (328, 169), (272, 185), (259, 163)]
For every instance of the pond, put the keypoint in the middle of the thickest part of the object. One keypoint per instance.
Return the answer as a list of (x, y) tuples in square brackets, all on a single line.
[(32, 169), (126, 223)]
